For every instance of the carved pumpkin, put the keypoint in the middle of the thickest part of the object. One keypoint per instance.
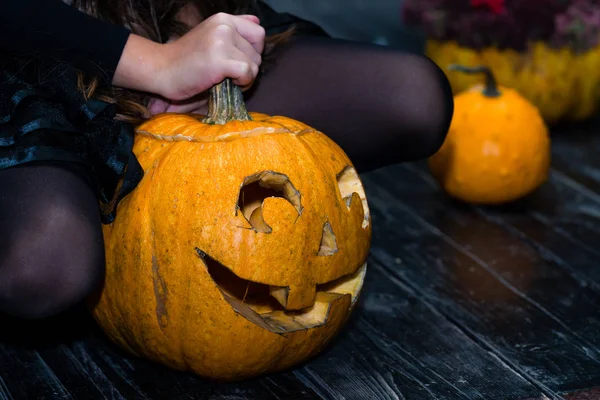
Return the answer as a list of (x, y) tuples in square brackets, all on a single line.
[(497, 148), (561, 83), (243, 249)]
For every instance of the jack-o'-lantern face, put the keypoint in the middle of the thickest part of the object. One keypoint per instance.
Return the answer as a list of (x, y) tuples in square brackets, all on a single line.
[(242, 250), (288, 251)]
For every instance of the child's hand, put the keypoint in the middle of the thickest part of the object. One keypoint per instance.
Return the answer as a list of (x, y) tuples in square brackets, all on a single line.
[(222, 46)]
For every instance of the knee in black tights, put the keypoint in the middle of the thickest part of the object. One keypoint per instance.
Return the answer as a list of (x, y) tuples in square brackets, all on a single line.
[(381, 105), (52, 252), (420, 106)]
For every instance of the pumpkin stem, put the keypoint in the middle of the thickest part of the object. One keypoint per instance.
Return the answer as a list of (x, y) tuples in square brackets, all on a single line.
[(226, 104), (491, 87)]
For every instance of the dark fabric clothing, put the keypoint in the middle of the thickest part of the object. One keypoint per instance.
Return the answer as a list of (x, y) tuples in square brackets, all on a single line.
[(380, 105), (276, 22), (54, 30), (52, 248), (44, 117)]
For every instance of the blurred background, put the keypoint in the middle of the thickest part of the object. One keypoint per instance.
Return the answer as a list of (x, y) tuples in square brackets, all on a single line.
[(375, 21), (547, 50)]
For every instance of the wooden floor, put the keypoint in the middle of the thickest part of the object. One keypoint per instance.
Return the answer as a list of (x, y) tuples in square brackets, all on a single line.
[(460, 303)]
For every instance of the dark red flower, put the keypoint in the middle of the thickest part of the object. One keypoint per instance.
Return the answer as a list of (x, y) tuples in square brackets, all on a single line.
[(496, 6)]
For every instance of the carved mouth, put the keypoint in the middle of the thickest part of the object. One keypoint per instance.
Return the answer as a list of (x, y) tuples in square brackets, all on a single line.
[(258, 304)]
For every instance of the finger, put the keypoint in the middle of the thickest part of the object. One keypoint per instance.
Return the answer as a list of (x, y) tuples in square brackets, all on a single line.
[(241, 70), (246, 47), (251, 31)]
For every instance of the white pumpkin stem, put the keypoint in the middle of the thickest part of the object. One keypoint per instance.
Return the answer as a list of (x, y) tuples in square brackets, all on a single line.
[(226, 104)]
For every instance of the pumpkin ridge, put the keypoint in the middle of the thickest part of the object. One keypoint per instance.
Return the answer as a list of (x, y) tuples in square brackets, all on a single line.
[(226, 137), (159, 285), (180, 338), (270, 121)]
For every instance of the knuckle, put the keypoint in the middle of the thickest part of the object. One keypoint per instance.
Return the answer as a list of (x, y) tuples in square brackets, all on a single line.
[(219, 17), (246, 68), (223, 30)]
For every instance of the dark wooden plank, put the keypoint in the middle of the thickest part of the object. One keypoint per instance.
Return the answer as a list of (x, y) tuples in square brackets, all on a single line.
[(588, 394), (4, 393), (26, 376), (570, 203), (482, 278), (52, 341), (399, 324), (575, 154), (114, 388), (569, 270), (35, 365), (138, 378), (73, 376), (398, 347)]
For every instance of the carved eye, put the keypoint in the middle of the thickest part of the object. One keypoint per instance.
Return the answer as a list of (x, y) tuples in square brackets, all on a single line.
[(256, 188), (349, 183)]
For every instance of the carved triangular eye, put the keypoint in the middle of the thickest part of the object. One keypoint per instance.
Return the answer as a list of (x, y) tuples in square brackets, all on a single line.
[(328, 241), (348, 183)]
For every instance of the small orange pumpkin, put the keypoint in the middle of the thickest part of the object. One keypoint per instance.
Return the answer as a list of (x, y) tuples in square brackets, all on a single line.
[(243, 249), (498, 146)]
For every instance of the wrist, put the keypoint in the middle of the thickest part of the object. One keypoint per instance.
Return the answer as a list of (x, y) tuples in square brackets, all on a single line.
[(141, 65)]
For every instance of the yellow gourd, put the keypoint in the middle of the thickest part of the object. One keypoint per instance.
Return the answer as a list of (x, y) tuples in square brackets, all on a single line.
[(561, 83)]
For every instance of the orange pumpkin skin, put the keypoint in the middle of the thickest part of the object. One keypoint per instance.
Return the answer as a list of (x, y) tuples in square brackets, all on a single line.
[(281, 286), (497, 149)]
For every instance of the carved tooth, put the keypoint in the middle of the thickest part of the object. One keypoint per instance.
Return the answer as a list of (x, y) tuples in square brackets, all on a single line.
[(280, 294), (295, 297)]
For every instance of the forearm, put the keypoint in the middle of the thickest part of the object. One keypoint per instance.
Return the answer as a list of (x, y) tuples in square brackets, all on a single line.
[(140, 65)]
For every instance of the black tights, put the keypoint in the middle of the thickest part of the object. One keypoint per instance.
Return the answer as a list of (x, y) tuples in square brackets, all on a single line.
[(381, 106), (52, 251)]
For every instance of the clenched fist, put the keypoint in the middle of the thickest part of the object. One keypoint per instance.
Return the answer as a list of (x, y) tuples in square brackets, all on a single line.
[(222, 46)]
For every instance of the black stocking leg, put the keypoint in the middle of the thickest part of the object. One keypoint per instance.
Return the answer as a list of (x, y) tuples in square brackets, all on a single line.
[(52, 251), (380, 105)]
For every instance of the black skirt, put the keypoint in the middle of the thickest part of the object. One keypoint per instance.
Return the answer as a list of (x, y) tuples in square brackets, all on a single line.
[(45, 118)]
